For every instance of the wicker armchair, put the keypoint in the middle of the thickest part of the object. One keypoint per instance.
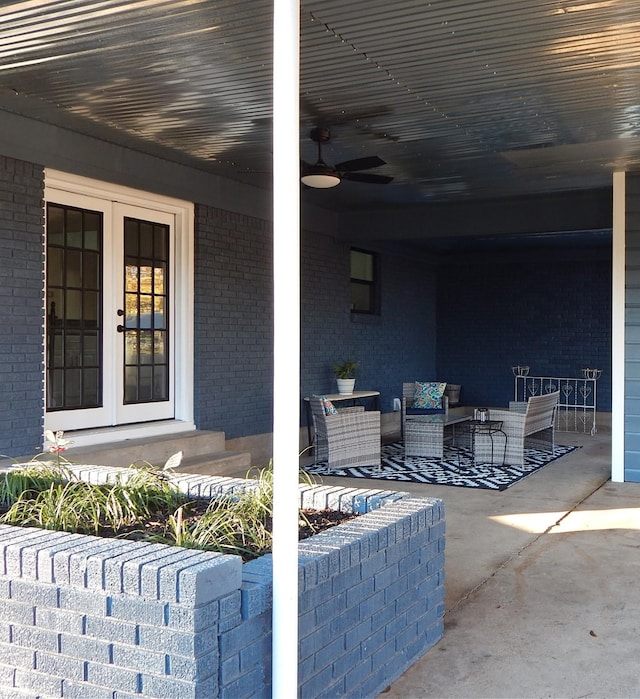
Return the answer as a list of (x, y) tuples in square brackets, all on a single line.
[(408, 390), (528, 424), (350, 438)]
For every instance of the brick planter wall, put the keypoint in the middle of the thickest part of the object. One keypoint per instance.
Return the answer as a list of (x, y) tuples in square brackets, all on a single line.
[(86, 617)]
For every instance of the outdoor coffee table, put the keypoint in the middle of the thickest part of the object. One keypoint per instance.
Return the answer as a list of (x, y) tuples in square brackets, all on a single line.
[(425, 435)]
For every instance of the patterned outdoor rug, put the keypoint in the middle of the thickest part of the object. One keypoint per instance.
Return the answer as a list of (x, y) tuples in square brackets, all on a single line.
[(456, 468)]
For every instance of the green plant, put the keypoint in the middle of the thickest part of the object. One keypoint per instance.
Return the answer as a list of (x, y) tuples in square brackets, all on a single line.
[(345, 370), (142, 503)]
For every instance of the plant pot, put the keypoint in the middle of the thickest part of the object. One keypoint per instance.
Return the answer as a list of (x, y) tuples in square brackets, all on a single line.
[(345, 386)]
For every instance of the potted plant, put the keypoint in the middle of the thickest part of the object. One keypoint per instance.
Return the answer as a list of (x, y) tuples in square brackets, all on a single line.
[(345, 378)]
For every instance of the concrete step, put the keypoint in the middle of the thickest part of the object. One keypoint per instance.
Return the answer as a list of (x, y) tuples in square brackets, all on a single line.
[(225, 463), (198, 444)]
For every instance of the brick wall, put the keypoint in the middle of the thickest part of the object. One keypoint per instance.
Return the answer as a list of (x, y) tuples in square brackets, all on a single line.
[(234, 322), (395, 346), (95, 618), (548, 310), (21, 306)]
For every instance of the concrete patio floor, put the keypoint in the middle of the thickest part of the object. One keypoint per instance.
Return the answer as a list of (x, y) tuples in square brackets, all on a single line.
[(542, 585)]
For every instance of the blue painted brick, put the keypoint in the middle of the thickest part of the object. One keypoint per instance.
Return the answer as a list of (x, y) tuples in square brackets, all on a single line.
[(346, 580), (150, 574), (134, 658), (16, 612), (372, 565), (243, 686), (320, 637), (331, 608), (37, 639), (83, 601), (347, 620), (359, 592), (85, 647), (31, 593), (373, 642), (327, 654), (185, 618), (59, 665), (137, 610), (230, 669), (193, 669), (371, 604), (84, 690), (315, 596), (381, 617), (237, 638), (169, 687), (315, 686), (117, 678), (357, 675), (14, 655), (39, 683), (358, 634), (435, 564), (180, 643), (115, 629)]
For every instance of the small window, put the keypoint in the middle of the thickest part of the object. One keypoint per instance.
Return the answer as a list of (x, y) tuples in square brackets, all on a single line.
[(364, 292)]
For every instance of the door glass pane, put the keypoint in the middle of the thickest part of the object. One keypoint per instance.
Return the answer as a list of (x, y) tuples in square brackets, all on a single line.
[(146, 374), (74, 308)]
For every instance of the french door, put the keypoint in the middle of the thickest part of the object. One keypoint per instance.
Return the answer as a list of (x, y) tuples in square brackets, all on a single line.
[(110, 299)]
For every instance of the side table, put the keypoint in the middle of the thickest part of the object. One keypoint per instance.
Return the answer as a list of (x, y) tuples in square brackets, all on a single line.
[(490, 429)]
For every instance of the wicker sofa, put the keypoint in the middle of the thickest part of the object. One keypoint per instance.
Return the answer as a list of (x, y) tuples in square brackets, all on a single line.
[(529, 423), (350, 438)]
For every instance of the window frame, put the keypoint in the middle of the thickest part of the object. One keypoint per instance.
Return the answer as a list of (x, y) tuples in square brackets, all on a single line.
[(373, 284)]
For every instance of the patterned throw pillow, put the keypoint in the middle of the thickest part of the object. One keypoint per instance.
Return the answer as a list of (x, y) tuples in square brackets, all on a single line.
[(428, 394), (329, 407)]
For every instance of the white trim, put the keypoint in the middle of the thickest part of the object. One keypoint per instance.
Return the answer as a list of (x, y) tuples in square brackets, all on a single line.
[(618, 329), (109, 435), (184, 216)]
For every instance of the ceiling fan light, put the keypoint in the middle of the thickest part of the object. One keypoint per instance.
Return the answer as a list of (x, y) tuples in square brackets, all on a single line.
[(320, 180)]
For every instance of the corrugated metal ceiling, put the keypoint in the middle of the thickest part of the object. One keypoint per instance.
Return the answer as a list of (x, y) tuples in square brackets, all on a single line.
[(462, 98)]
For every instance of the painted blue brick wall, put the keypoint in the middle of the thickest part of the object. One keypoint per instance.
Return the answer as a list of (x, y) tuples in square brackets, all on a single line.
[(548, 310), (233, 322), (397, 345), (21, 306)]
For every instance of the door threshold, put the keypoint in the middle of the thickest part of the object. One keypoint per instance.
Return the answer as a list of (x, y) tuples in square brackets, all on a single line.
[(107, 435)]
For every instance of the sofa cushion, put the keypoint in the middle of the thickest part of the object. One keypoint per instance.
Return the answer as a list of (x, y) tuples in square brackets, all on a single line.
[(425, 411), (428, 394)]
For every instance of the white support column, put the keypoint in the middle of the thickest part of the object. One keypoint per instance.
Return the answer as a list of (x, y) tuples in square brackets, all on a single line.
[(286, 388), (617, 329)]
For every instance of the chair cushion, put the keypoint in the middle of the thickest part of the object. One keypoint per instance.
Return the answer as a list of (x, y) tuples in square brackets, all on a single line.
[(329, 407), (424, 411), (428, 394)]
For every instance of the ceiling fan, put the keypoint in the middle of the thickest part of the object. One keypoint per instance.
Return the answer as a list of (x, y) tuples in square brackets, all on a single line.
[(322, 176)]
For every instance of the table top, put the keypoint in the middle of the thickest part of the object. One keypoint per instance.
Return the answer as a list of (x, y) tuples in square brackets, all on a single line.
[(348, 396), (438, 419)]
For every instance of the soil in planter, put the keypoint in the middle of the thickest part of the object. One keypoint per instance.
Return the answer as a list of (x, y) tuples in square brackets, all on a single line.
[(145, 507), (311, 522)]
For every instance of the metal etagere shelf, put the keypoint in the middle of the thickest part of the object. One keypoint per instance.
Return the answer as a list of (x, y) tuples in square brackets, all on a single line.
[(576, 410)]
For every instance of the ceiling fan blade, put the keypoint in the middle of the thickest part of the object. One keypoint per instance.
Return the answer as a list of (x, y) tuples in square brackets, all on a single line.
[(360, 164), (366, 177)]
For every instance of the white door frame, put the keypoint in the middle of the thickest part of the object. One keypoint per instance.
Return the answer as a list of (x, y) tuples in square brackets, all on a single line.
[(60, 184)]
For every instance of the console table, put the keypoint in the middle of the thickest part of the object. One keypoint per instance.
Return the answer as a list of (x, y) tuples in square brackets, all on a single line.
[(355, 398)]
